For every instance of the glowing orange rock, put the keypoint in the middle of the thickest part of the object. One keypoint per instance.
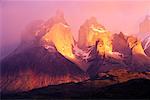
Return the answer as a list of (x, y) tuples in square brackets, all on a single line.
[(135, 45), (60, 35), (138, 54), (90, 32)]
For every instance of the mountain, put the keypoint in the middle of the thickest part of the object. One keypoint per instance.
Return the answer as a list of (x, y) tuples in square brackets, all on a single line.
[(146, 45), (41, 60), (122, 46), (37, 67), (60, 35), (94, 40), (90, 32), (130, 47), (128, 54), (139, 57), (49, 55), (46, 26), (35, 30)]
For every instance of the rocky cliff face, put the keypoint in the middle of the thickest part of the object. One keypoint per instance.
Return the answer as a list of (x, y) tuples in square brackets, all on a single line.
[(128, 54), (60, 35), (37, 67), (120, 44), (138, 55), (42, 61), (90, 32), (48, 55), (146, 45)]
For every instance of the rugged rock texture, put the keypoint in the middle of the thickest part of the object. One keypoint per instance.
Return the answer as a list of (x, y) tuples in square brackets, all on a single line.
[(48, 55), (123, 75), (138, 55), (120, 44), (90, 32), (146, 45), (60, 35), (36, 63), (37, 67), (46, 26)]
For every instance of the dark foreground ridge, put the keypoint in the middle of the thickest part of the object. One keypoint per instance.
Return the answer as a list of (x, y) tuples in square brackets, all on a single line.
[(132, 89)]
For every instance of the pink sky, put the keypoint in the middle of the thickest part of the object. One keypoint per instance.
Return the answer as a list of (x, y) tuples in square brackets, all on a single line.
[(115, 15)]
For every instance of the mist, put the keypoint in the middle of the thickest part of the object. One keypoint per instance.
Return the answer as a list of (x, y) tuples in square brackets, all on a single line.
[(115, 15)]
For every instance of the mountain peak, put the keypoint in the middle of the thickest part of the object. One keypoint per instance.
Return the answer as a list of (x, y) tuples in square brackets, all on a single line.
[(90, 32), (60, 35), (54, 58), (135, 45), (93, 21), (146, 45)]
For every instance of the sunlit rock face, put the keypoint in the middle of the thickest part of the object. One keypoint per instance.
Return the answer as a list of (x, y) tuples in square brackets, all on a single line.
[(138, 55), (90, 32), (45, 27), (54, 58), (60, 35), (135, 45), (56, 32), (49, 61), (146, 45), (131, 48), (35, 30)]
